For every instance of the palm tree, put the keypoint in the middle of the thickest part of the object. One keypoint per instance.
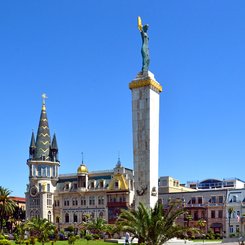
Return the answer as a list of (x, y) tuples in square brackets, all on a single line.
[(230, 212), (153, 226), (111, 229), (7, 206), (20, 233), (41, 229), (96, 226)]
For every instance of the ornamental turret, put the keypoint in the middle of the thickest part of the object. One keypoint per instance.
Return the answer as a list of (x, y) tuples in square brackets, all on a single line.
[(32, 147), (54, 149)]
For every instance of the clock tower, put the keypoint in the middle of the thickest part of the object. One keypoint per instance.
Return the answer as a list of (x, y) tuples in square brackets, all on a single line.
[(43, 166)]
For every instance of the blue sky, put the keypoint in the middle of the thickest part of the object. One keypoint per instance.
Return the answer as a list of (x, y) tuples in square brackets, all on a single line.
[(84, 53)]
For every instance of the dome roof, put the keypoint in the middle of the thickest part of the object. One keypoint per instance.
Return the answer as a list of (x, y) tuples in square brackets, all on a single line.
[(82, 169)]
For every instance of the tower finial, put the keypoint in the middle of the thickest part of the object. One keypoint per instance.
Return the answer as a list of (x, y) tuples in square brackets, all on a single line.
[(82, 157), (44, 96), (118, 165)]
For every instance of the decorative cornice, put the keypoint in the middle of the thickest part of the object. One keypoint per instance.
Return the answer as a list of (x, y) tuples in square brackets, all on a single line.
[(145, 82)]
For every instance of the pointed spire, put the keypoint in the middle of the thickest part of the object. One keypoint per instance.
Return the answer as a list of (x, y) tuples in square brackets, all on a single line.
[(54, 149), (54, 145), (32, 145), (43, 134), (118, 165)]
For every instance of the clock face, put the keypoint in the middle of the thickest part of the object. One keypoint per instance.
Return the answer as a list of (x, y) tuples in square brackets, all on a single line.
[(33, 191)]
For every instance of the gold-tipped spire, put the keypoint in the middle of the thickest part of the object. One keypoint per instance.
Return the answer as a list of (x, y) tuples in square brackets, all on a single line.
[(44, 96)]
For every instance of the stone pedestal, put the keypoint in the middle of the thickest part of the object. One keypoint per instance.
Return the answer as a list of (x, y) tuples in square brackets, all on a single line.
[(145, 106)]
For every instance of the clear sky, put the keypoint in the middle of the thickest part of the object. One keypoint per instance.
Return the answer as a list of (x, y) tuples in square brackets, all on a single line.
[(83, 54)]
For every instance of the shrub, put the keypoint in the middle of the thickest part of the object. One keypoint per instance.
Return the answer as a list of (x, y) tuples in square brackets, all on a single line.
[(96, 236), (88, 237), (71, 239), (5, 242), (32, 240), (82, 233)]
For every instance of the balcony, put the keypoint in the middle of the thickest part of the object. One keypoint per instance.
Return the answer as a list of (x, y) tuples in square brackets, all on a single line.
[(117, 204)]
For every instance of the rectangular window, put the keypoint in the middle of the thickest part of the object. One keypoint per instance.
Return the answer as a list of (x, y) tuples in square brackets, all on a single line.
[(237, 228), (195, 215), (221, 199), (231, 229), (83, 201), (213, 214), (53, 172), (199, 200), (101, 184), (92, 200), (66, 203), (213, 199), (74, 202), (220, 214), (193, 200)]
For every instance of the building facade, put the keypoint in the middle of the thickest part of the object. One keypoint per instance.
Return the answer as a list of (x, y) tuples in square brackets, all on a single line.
[(72, 198), (218, 204)]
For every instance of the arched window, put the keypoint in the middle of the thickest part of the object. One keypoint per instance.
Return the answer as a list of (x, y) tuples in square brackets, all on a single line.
[(101, 215), (74, 217), (234, 198), (49, 216), (57, 220), (84, 217), (67, 218)]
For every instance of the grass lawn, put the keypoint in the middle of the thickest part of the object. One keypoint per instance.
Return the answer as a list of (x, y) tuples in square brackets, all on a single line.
[(77, 242)]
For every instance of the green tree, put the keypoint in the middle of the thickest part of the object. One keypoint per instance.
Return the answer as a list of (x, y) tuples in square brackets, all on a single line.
[(19, 234), (153, 226), (96, 226), (7, 206), (110, 229), (41, 229)]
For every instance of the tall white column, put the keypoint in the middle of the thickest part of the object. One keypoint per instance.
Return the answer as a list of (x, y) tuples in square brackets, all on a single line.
[(145, 111)]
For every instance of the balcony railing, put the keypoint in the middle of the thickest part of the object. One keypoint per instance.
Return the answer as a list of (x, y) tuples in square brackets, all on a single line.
[(117, 204)]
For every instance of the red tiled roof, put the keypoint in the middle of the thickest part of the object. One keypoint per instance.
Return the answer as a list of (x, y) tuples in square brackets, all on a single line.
[(18, 199)]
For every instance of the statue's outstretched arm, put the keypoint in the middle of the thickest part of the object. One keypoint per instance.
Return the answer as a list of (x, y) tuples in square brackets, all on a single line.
[(140, 24)]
